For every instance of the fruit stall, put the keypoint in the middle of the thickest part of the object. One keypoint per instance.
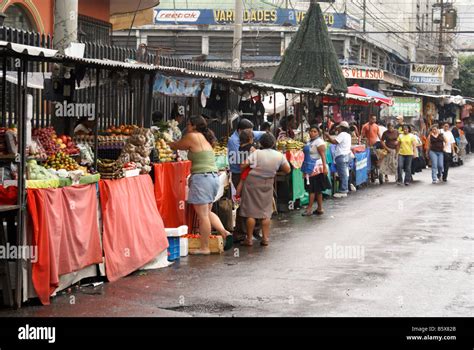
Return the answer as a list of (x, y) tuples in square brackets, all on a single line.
[(82, 199)]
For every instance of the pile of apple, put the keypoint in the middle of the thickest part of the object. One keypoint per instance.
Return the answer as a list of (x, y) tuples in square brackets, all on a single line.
[(67, 145)]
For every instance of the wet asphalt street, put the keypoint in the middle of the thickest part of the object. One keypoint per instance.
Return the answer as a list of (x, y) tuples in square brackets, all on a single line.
[(383, 251)]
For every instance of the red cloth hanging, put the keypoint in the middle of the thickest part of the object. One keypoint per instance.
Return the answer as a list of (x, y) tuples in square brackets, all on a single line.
[(133, 230), (65, 230), (170, 191)]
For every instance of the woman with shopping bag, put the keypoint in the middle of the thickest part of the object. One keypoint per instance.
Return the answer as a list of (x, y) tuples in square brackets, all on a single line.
[(315, 170)]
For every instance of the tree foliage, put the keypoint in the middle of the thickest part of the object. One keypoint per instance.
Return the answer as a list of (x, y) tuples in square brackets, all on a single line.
[(465, 83)]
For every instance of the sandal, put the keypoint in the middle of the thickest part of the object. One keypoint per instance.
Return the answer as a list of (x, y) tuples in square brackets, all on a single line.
[(246, 243), (264, 242), (305, 213), (317, 212), (199, 252)]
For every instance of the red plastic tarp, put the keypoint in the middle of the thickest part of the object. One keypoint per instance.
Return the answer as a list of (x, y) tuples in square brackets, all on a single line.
[(65, 232), (170, 191), (133, 231)]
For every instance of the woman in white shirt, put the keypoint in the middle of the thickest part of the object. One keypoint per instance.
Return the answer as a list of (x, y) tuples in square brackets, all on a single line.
[(449, 143), (342, 157), (315, 170)]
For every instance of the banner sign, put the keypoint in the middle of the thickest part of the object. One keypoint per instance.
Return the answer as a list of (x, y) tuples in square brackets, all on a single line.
[(362, 167), (406, 106), (251, 16), (365, 74), (426, 74), (180, 86)]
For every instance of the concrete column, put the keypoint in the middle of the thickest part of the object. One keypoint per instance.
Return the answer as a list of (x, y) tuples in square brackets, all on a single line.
[(65, 23)]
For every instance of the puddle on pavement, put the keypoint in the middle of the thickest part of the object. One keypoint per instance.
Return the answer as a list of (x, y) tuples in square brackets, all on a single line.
[(214, 308)]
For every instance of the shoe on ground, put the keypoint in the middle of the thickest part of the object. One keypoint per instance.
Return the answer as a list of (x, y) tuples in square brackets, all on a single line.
[(407, 184), (340, 195), (399, 183), (353, 188), (445, 180), (435, 182)]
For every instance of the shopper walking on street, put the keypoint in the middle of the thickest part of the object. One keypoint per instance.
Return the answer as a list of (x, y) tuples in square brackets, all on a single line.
[(204, 181), (389, 141), (315, 170), (342, 156), (435, 152), (406, 148), (257, 191), (449, 149)]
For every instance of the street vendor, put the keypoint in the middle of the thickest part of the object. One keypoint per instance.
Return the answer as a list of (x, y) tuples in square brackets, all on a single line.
[(84, 126)]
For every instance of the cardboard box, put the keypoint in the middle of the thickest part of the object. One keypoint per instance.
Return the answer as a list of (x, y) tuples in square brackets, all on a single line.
[(216, 244)]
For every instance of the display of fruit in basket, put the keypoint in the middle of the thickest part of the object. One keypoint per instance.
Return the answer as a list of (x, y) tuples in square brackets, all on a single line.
[(61, 161)]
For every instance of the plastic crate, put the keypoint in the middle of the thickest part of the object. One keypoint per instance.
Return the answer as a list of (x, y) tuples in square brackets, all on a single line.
[(184, 246), (173, 249)]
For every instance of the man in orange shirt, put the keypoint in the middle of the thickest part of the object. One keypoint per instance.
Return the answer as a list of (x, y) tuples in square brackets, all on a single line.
[(370, 131)]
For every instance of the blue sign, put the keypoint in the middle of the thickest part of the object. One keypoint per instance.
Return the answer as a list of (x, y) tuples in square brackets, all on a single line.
[(362, 167), (251, 16)]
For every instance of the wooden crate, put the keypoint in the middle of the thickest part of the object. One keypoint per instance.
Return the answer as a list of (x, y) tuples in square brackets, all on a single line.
[(216, 245)]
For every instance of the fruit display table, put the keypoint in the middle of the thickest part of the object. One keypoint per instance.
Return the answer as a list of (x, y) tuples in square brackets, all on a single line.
[(65, 232), (133, 230), (170, 191)]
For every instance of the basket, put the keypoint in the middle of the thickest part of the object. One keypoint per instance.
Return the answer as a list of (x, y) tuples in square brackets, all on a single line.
[(173, 249)]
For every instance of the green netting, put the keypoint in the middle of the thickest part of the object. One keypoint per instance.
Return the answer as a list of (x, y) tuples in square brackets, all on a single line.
[(310, 60)]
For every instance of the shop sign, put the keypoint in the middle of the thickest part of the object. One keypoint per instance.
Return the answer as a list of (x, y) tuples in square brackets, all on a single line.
[(406, 106), (251, 16), (75, 110), (364, 74), (427, 74)]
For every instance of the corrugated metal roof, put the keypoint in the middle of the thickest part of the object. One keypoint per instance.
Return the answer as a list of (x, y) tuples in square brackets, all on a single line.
[(28, 50)]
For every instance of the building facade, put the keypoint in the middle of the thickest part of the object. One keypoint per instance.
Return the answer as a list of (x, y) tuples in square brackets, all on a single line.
[(376, 47)]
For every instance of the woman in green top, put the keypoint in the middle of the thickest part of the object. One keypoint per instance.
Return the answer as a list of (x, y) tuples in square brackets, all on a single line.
[(204, 180)]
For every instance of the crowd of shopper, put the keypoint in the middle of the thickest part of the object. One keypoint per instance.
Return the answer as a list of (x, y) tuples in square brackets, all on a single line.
[(254, 163)]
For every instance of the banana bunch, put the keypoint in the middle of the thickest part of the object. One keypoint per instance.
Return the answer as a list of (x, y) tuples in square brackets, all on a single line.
[(289, 145), (220, 150)]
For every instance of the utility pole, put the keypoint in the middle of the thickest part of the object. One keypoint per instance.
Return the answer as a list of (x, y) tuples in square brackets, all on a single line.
[(237, 43), (65, 33), (365, 14), (65, 23), (440, 42)]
